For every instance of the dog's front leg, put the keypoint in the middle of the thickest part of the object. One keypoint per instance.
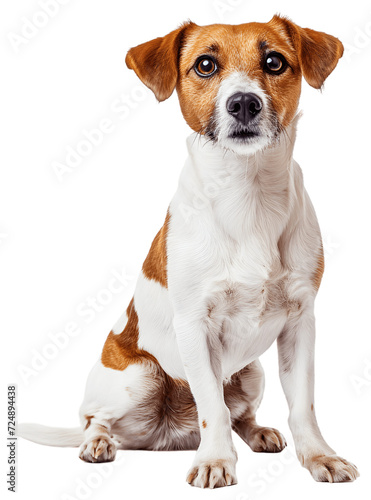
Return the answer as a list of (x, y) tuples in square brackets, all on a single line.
[(296, 359), (216, 458)]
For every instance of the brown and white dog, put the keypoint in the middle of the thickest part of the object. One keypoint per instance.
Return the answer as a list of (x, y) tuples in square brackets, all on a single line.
[(236, 265)]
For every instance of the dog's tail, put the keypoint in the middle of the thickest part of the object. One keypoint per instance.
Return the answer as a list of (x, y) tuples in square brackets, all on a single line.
[(51, 436)]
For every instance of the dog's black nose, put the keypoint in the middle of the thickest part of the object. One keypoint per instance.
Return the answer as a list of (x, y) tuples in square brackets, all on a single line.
[(244, 107)]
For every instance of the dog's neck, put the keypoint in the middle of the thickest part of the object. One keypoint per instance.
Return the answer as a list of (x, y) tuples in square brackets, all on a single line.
[(248, 194)]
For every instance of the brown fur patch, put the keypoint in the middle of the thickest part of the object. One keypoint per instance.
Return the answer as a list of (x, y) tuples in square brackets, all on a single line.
[(167, 62), (88, 421), (318, 52), (156, 62), (192, 476), (155, 264), (121, 350), (204, 424), (100, 428), (239, 49), (317, 277), (166, 418), (180, 382)]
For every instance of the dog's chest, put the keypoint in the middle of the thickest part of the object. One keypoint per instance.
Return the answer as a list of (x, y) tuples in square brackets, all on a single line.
[(224, 261), (247, 304)]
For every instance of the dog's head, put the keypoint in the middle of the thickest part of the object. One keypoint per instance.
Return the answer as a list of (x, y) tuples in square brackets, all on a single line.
[(237, 84)]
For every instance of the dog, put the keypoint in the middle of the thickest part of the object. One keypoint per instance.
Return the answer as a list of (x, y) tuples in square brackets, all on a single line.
[(236, 265)]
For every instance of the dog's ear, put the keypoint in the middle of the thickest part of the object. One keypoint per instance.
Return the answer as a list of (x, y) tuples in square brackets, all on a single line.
[(318, 52), (156, 62)]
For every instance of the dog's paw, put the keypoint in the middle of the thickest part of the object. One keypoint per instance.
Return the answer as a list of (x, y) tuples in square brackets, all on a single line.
[(266, 439), (331, 469), (213, 474), (98, 449)]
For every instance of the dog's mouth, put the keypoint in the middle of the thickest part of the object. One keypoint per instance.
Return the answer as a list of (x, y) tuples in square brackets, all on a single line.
[(244, 134)]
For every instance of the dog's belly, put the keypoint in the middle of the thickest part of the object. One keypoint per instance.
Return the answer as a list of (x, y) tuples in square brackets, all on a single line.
[(243, 320)]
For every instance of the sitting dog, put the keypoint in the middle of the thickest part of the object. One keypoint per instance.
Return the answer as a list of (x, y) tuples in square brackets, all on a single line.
[(236, 265)]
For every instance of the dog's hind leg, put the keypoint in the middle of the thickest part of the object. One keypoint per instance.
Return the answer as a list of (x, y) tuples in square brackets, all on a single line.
[(243, 396), (109, 395)]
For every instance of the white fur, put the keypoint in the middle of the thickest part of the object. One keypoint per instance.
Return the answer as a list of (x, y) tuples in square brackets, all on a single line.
[(156, 330), (51, 436), (229, 295), (243, 245), (240, 82), (109, 393), (231, 244)]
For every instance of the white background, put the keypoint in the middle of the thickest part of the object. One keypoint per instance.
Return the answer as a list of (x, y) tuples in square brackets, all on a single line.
[(60, 241)]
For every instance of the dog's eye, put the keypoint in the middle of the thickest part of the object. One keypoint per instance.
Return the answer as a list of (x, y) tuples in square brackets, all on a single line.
[(205, 66), (275, 63)]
